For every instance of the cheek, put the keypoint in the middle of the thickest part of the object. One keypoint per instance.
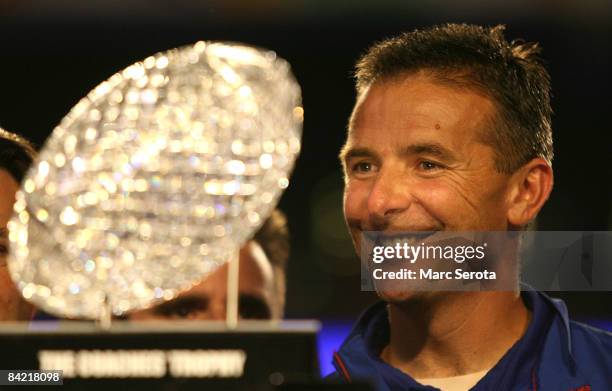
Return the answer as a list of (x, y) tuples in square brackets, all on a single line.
[(8, 293), (462, 204), (445, 201), (355, 200), (5, 280)]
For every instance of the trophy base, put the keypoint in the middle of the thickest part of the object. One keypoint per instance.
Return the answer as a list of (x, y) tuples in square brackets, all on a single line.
[(164, 356)]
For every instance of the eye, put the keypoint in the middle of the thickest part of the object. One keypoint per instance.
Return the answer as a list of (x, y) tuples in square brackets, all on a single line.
[(182, 311), (362, 169), (252, 307), (182, 308), (427, 165)]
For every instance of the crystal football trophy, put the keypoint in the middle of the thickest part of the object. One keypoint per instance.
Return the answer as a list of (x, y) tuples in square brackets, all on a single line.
[(155, 179)]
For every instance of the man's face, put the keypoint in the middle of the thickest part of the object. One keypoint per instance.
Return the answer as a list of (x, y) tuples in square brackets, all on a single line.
[(207, 300), (414, 161), (12, 306)]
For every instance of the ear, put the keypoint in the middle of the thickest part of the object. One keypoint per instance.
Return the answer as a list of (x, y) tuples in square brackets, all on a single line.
[(530, 187)]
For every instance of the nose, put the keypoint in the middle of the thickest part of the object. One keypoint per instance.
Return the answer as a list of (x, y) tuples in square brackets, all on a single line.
[(388, 198)]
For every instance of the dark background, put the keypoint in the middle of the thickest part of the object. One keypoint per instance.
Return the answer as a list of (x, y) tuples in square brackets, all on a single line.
[(52, 52)]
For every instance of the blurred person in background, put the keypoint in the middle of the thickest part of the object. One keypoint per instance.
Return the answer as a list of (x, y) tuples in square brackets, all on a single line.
[(263, 262), (16, 155), (451, 131)]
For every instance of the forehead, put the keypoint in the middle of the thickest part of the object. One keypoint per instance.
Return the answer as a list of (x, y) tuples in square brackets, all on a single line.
[(417, 102), (255, 277)]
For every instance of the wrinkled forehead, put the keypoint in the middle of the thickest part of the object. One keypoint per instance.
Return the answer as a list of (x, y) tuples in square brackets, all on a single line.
[(418, 102)]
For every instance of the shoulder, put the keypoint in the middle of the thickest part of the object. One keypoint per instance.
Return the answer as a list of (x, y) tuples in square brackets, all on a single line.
[(578, 337), (590, 338), (591, 350), (592, 354)]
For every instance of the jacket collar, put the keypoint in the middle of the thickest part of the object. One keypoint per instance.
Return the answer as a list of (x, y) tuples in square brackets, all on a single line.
[(357, 359), (563, 320), (559, 370)]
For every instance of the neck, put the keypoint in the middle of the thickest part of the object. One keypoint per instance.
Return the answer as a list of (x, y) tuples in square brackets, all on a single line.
[(444, 334)]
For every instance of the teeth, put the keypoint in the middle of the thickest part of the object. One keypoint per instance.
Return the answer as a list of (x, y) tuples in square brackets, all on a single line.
[(410, 239)]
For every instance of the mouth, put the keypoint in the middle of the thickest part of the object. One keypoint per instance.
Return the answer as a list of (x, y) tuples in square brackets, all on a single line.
[(391, 239)]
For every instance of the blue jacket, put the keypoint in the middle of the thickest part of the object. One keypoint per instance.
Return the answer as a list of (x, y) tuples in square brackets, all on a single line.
[(554, 354)]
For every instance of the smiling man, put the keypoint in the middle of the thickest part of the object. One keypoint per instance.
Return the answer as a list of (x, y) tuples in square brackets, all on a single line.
[(451, 131)]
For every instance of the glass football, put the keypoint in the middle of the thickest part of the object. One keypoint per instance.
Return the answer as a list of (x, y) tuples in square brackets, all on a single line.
[(155, 178)]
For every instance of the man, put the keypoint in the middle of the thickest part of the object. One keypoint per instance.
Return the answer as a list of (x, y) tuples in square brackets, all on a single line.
[(261, 282), (16, 155), (451, 131)]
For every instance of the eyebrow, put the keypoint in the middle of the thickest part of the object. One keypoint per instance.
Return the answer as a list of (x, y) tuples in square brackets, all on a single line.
[(194, 301), (432, 149), (350, 153)]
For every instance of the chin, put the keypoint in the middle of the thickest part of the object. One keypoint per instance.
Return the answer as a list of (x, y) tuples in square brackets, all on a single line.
[(408, 296), (395, 297)]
